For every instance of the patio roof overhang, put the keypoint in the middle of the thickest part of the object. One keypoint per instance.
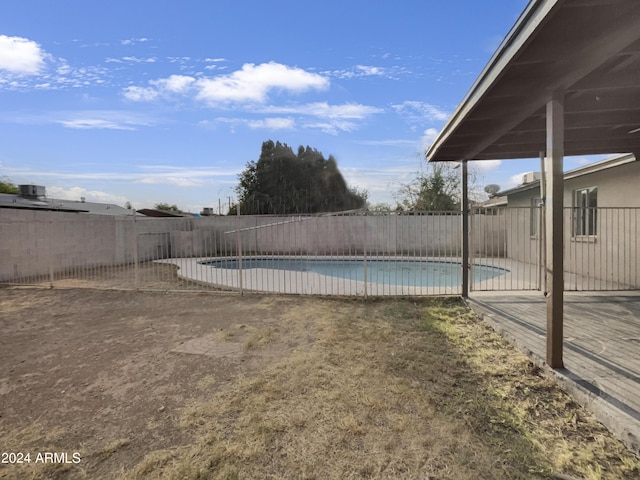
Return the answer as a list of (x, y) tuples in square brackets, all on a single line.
[(586, 52), (565, 81)]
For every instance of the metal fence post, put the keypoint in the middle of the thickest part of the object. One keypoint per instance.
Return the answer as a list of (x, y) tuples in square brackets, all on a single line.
[(239, 252), (465, 230), (364, 261), (51, 255), (136, 258)]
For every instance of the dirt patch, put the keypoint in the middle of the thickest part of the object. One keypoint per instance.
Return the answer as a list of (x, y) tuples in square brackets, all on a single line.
[(106, 373), (194, 386)]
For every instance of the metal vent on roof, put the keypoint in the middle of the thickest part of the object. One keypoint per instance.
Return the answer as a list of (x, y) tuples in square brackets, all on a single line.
[(530, 177), (31, 191)]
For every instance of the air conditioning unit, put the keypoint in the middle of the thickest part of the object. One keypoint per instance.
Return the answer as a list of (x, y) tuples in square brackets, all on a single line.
[(530, 177), (31, 191)]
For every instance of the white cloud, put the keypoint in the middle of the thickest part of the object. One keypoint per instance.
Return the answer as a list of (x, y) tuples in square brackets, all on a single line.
[(76, 193), (427, 139), (101, 119), (272, 123), (332, 127), (381, 183), (141, 94), (64, 69), (174, 84), (149, 174), (324, 110), (183, 177), (20, 55), (359, 71), (368, 70), (420, 111), (331, 119), (347, 110), (139, 60), (131, 59), (514, 180), (253, 83), (133, 41), (181, 182), (214, 63), (83, 119), (485, 166), (94, 123)]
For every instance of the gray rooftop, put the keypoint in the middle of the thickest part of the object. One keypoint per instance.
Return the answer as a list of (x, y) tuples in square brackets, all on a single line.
[(55, 204)]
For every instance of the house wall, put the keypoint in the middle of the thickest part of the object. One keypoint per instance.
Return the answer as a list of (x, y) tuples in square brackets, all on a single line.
[(612, 256), (617, 187)]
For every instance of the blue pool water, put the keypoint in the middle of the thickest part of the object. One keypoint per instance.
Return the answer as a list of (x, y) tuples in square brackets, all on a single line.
[(425, 273)]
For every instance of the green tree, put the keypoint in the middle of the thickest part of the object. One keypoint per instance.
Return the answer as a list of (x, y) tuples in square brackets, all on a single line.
[(437, 189), (166, 207), (7, 186), (283, 182)]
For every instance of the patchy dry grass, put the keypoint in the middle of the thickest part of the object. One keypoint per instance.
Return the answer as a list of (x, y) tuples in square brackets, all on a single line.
[(317, 389), (398, 389)]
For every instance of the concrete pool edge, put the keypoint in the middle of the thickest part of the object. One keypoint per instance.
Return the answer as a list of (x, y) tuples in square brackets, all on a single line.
[(309, 283)]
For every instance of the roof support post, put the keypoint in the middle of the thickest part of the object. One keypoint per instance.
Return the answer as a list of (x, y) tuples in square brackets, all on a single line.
[(554, 268), (464, 204)]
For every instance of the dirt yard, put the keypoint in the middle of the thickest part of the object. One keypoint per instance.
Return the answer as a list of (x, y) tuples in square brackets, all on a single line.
[(98, 384)]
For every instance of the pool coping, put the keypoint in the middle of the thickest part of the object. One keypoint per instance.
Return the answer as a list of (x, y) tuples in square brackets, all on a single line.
[(266, 280)]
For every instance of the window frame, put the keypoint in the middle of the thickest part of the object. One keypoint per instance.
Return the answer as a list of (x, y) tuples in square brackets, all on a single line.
[(585, 213)]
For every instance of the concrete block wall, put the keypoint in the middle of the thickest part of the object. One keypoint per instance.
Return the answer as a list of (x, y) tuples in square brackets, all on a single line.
[(39, 243)]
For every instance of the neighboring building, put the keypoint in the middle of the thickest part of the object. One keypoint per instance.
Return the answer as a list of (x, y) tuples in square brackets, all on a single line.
[(153, 212), (33, 197)]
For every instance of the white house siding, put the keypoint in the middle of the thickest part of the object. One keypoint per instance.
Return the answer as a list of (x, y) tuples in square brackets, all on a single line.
[(609, 259)]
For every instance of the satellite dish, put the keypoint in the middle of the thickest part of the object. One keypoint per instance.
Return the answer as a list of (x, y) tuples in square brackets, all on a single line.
[(492, 189)]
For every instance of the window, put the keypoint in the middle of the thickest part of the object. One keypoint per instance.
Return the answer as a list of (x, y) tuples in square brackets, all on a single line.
[(534, 227), (585, 212)]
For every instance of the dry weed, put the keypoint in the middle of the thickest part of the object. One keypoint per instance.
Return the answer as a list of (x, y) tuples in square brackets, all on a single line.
[(392, 389)]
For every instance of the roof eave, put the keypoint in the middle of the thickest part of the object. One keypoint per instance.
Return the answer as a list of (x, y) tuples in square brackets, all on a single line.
[(526, 25)]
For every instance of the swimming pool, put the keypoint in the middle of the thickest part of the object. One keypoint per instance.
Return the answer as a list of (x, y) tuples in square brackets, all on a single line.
[(418, 273)]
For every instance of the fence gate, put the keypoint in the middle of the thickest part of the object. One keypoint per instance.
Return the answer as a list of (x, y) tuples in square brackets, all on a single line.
[(508, 239)]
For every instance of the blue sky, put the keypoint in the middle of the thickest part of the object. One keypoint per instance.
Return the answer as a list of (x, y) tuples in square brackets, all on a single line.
[(167, 101)]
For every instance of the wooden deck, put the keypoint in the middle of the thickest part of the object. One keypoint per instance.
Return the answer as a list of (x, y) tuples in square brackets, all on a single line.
[(601, 349)]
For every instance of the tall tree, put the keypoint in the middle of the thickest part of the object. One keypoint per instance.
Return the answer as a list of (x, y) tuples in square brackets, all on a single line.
[(436, 189), (282, 182)]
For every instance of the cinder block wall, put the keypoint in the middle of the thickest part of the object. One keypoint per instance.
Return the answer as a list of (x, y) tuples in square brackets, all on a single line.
[(36, 243)]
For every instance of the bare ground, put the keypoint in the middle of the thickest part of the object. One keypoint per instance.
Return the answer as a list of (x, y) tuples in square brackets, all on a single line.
[(188, 386)]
